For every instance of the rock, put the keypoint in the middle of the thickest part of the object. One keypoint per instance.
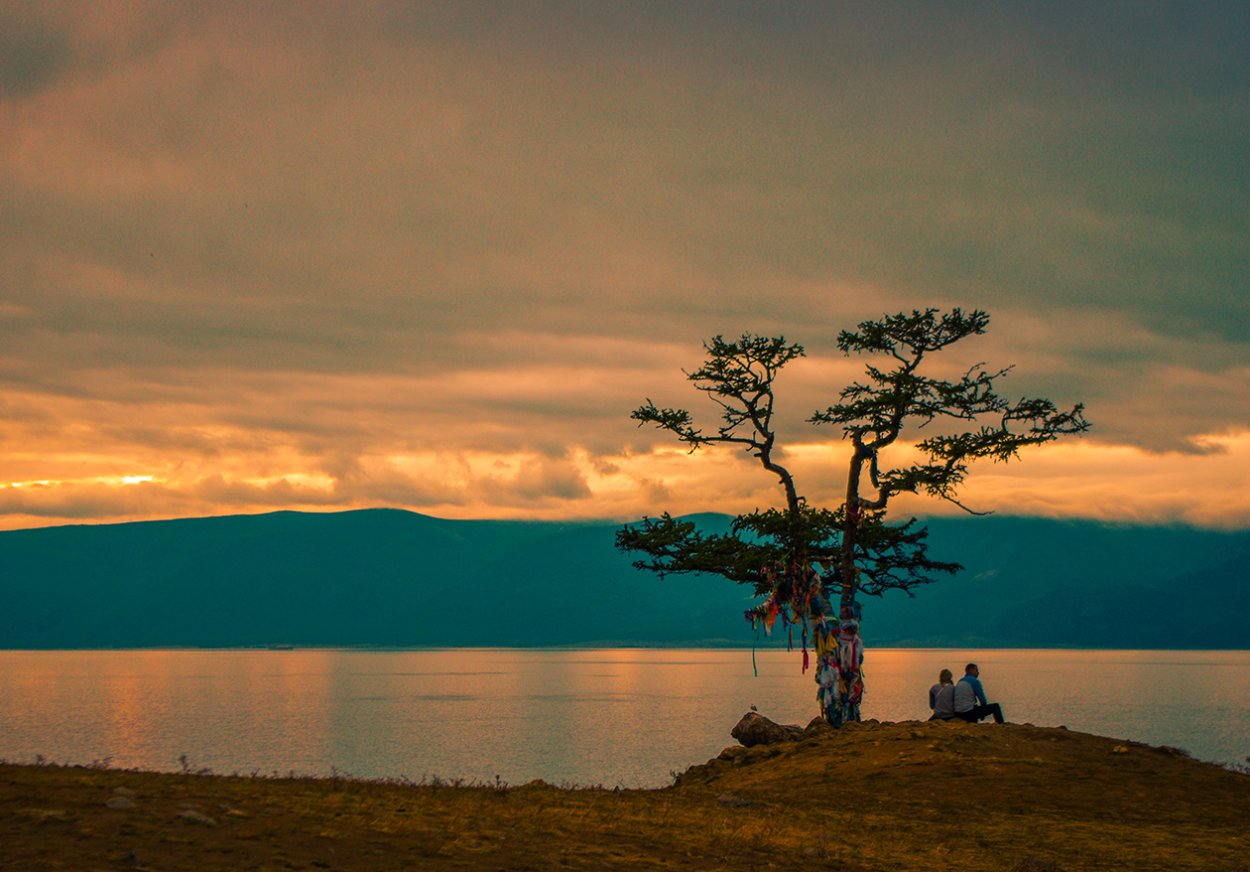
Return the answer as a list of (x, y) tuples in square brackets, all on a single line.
[(755, 729), (121, 803), (817, 724), (197, 817), (1120, 749), (44, 815), (734, 800), (123, 791)]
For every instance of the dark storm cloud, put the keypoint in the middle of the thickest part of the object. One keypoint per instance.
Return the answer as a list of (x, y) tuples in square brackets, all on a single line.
[(31, 53)]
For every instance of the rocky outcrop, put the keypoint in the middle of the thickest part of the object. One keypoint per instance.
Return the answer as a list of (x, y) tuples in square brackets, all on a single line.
[(755, 729)]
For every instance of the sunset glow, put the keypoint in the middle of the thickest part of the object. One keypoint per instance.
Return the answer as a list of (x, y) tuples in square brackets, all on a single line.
[(320, 257)]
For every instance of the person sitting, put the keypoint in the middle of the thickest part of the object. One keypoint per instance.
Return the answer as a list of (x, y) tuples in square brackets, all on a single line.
[(970, 702), (942, 697)]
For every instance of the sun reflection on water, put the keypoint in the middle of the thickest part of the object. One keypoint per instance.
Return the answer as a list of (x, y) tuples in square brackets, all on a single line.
[(621, 716)]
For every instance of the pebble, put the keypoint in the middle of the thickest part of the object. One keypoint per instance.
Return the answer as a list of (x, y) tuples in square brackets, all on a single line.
[(197, 817), (43, 815)]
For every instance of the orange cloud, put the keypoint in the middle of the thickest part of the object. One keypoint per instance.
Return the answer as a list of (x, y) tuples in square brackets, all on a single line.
[(431, 255), (1083, 479)]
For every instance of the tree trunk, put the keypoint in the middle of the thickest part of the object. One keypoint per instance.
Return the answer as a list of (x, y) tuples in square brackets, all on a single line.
[(840, 649)]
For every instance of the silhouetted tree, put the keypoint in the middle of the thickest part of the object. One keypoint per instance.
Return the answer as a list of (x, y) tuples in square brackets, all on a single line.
[(809, 563)]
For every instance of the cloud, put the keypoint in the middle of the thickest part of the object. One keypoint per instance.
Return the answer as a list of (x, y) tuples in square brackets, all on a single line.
[(31, 53), (1206, 486), (253, 243)]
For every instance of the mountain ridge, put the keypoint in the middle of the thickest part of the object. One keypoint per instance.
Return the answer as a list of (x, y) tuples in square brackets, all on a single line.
[(389, 577)]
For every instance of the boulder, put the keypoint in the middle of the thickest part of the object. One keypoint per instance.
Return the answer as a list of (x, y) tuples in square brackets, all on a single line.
[(755, 729)]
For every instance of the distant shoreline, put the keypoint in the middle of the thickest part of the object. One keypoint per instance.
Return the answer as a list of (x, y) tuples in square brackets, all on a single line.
[(604, 646)]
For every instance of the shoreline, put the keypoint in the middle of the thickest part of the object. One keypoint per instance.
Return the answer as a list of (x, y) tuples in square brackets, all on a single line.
[(606, 646)]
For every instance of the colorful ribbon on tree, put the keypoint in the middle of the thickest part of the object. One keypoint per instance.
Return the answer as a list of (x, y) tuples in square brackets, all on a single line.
[(840, 665), (797, 597)]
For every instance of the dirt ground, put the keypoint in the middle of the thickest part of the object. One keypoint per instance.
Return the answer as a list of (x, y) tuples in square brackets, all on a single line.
[(908, 796)]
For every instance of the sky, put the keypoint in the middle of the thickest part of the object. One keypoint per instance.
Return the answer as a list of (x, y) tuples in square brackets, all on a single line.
[(322, 256)]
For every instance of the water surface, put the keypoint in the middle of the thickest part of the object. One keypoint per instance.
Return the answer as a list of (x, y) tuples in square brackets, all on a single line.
[(621, 716)]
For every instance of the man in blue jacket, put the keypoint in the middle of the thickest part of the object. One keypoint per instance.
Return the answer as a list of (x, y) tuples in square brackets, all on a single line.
[(970, 702)]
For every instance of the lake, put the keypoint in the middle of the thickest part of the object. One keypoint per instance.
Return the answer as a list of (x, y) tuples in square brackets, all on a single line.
[(588, 717)]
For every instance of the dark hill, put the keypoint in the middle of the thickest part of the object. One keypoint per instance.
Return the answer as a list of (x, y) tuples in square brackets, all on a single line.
[(389, 577)]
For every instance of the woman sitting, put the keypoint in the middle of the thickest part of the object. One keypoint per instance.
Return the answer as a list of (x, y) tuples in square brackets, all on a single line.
[(942, 697)]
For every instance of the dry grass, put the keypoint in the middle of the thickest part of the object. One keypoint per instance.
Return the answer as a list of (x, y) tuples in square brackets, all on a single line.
[(870, 796)]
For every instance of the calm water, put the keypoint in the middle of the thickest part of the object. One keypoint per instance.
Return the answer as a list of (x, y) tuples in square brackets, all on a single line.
[(607, 717)]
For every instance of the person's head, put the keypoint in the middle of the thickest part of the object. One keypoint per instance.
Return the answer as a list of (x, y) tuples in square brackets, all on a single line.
[(971, 669), (945, 677)]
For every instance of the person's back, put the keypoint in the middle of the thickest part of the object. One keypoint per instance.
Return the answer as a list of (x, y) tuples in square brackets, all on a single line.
[(965, 694), (942, 697)]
